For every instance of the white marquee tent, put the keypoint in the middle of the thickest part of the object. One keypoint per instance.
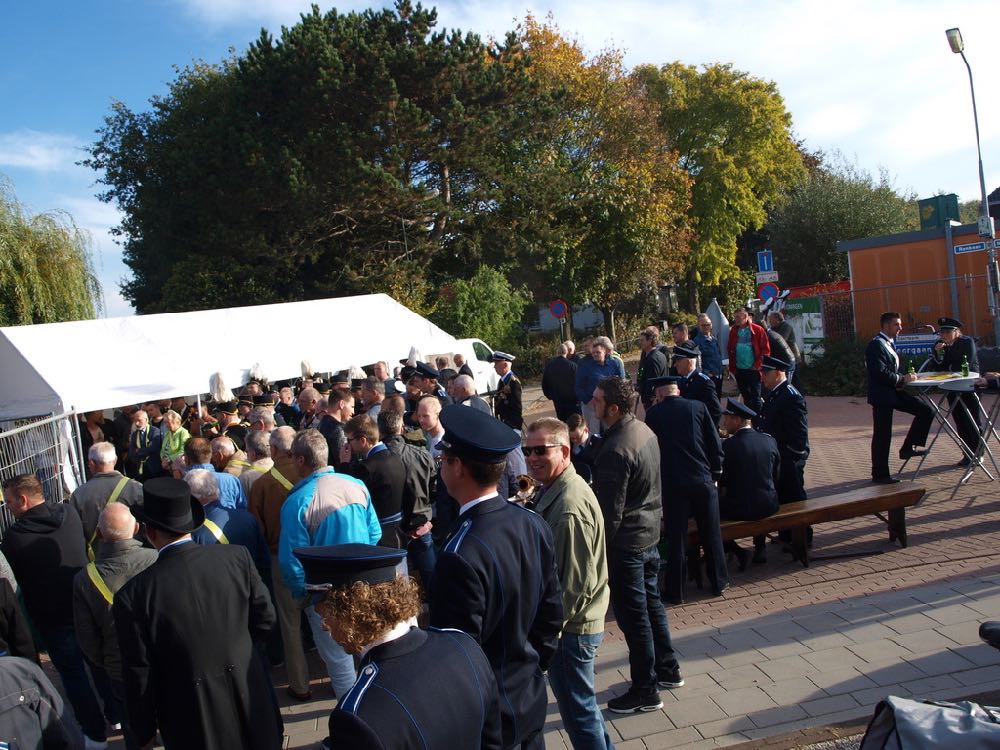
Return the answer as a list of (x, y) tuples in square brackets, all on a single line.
[(98, 364)]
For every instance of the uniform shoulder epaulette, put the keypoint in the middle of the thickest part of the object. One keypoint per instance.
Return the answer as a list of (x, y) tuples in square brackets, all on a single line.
[(703, 376), (352, 701), (793, 390), (456, 541)]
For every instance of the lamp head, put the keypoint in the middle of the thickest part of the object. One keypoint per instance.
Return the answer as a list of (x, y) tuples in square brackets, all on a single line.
[(955, 40)]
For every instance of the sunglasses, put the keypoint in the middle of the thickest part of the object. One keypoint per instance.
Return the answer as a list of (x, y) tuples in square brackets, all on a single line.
[(538, 450)]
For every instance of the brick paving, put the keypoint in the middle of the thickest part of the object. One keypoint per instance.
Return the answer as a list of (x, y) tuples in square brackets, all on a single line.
[(789, 647)]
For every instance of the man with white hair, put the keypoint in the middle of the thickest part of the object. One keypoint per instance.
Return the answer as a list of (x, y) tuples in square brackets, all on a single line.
[(103, 488), (120, 556), (261, 419), (198, 455), (227, 457), (226, 525), (259, 455), (463, 390)]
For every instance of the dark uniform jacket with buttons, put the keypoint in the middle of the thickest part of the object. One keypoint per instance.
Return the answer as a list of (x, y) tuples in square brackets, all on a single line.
[(432, 690), (690, 450), (949, 358), (699, 387), (507, 402), (186, 629), (783, 416), (496, 580), (750, 466)]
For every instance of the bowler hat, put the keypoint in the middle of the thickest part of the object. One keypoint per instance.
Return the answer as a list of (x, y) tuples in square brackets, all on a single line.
[(167, 505)]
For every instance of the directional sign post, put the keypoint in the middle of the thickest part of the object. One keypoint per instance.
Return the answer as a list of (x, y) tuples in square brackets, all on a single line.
[(765, 261)]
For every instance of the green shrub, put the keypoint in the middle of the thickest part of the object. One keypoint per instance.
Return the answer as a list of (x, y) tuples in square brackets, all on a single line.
[(839, 371)]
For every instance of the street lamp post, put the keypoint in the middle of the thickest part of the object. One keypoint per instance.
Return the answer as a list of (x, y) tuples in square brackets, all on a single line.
[(985, 222)]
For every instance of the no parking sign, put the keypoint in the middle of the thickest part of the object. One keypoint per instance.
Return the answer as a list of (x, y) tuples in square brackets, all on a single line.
[(558, 308), (767, 290)]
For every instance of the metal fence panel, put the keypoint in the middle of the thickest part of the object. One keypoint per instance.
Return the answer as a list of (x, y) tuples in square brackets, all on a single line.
[(49, 448)]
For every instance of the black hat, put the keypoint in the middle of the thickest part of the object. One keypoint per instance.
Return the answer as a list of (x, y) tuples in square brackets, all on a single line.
[(948, 324), (265, 399), (424, 370), (773, 363), (736, 408), (502, 357), (357, 383), (167, 505), (406, 373), (227, 407), (323, 388), (340, 565), (664, 380), (447, 374), (472, 434), (245, 401), (686, 350), (340, 378)]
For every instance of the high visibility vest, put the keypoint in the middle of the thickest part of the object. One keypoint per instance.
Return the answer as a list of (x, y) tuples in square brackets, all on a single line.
[(99, 583), (115, 494), (279, 477), (216, 531)]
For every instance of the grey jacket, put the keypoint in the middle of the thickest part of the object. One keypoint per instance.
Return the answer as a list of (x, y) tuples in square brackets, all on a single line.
[(626, 480), (116, 563), (90, 498), (32, 713)]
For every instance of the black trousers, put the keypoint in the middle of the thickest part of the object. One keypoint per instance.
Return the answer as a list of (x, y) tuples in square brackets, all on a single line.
[(563, 410), (700, 501), (920, 427), (748, 381), (967, 420)]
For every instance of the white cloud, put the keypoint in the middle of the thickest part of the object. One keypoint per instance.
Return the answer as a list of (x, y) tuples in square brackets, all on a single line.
[(41, 152)]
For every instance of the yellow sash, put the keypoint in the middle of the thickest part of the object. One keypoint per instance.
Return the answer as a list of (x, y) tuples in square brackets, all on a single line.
[(216, 531), (99, 583), (115, 493), (280, 479)]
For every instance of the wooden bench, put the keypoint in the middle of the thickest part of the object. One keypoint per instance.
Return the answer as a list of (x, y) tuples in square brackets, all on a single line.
[(873, 499)]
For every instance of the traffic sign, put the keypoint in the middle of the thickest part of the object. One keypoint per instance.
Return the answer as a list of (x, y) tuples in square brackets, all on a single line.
[(915, 344), (767, 290), (765, 261), (972, 247), (558, 308), (765, 276)]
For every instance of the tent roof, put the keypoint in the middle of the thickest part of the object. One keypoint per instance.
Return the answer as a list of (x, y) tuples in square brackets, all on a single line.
[(99, 364)]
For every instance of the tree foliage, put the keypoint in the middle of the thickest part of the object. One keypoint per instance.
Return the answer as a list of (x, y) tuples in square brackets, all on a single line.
[(485, 306), (46, 275), (354, 153), (622, 199), (840, 201), (733, 135)]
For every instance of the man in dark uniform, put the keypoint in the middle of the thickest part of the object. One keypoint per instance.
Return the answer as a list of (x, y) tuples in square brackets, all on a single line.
[(186, 627), (652, 364), (416, 689), (496, 577), (886, 377), (951, 354), (695, 384), (231, 424), (463, 366), (750, 466), (427, 378), (783, 416), (690, 463), (507, 402)]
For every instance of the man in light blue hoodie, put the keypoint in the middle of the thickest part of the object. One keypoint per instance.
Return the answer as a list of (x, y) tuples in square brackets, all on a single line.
[(322, 509)]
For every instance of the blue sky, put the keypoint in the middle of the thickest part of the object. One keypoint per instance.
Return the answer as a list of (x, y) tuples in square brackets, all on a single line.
[(874, 79)]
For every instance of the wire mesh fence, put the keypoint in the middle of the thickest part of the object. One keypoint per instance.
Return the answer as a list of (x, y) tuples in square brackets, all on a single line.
[(47, 447)]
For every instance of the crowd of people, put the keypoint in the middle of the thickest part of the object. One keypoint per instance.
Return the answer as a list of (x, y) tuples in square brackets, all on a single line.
[(385, 521)]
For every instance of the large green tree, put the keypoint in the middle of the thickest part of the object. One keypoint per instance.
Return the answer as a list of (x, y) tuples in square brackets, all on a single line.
[(839, 201), (356, 152), (733, 136), (46, 275)]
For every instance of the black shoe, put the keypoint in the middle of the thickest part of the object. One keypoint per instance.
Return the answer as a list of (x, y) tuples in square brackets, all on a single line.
[(885, 480), (674, 601), (633, 703), (964, 462), (989, 632), (908, 451), (759, 555), (670, 679), (723, 589)]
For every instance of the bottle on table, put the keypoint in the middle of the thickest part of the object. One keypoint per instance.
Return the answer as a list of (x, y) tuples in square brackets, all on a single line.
[(965, 366)]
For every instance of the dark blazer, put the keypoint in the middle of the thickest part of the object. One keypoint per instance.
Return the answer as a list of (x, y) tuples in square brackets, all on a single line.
[(950, 358), (331, 428), (884, 374), (783, 416), (433, 690), (477, 403), (384, 474), (652, 364), (507, 403), (690, 450), (699, 387), (239, 527), (559, 381), (496, 580), (750, 464), (186, 627)]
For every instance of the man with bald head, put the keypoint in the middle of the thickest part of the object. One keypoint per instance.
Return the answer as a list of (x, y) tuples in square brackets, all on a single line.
[(119, 557), (463, 389), (105, 486), (428, 415)]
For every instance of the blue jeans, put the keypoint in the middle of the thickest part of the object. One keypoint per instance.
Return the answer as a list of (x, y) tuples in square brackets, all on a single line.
[(635, 598), (571, 676), (339, 663), (60, 642)]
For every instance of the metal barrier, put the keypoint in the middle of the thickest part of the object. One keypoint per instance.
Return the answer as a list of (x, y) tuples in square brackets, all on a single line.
[(49, 448)]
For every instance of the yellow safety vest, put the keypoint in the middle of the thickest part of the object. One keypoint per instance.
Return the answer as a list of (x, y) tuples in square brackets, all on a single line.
[(115, 493), (280, 479), (216, 531), (99, 583)]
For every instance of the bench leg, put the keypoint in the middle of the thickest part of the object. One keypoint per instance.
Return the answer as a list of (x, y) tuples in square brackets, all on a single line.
[(897, 526), (800, 549)]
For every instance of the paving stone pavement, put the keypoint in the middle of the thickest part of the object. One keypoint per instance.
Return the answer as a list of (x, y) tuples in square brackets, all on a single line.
[(789, 647)]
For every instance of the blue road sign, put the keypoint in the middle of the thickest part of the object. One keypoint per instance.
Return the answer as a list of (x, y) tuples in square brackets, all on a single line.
[(972, 247), (765, 261), (767, 290)]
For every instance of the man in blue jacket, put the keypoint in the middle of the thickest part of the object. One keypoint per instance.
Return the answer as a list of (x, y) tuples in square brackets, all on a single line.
[(885, 381)]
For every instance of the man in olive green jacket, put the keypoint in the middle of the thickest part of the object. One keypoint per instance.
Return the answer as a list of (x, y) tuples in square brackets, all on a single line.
[(569, 506)]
